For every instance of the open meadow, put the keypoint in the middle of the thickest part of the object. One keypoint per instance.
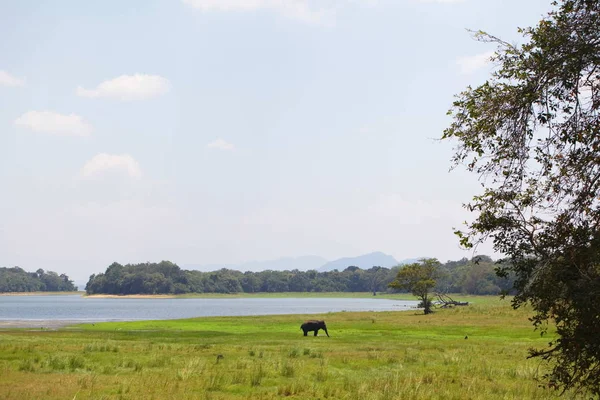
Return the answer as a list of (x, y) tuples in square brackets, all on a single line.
[(474, 352)]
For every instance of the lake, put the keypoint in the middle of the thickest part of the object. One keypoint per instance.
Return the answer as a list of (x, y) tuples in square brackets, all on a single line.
[(57, 310)]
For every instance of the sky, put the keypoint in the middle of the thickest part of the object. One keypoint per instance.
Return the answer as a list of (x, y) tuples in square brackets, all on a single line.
[(226, 131)]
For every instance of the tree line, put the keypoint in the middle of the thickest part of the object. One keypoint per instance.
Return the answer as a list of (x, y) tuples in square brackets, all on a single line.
[(16, 279), (474, 276)]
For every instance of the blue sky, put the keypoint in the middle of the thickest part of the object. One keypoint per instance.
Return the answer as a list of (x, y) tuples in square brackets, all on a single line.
[(225, 131)]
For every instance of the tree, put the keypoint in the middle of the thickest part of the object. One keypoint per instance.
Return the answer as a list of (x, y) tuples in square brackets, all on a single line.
[(532, 133), (419, 279), (18, 280), (375, 278), (299, 282)]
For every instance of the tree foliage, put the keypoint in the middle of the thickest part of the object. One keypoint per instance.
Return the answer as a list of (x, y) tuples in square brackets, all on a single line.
[(419, 279), (532, 131), (167, 278), (18, 280)]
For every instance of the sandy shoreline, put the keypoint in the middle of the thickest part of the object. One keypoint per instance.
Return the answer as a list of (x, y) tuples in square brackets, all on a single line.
[(38, 324), (130, 296)]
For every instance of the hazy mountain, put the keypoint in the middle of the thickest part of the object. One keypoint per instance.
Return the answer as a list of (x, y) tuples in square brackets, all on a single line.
[(306, 263), (80, 283), (366, 261), (207, 267), (303, 263), (409, 260)]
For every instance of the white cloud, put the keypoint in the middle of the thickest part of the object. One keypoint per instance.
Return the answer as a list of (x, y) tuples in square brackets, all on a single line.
[(54, 123), (301, 10), (470, 64), (221, 145), (7, 79), (128, 87), (103, 162)]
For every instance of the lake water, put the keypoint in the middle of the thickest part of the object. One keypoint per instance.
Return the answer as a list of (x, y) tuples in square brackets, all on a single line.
[(76, 308)]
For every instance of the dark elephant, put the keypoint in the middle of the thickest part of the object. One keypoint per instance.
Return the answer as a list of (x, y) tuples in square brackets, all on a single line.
[(314, 325)]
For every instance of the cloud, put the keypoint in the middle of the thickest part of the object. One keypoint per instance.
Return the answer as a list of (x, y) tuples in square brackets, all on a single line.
[(7, 79), (221, 145), (470, 64), (54, 123), (103, 162), (301, 10), (128, 87)]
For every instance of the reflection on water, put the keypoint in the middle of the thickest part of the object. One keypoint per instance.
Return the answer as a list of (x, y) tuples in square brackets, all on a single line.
[(78, 308)]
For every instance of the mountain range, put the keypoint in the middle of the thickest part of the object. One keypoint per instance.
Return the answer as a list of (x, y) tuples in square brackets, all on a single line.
[(306, 263)]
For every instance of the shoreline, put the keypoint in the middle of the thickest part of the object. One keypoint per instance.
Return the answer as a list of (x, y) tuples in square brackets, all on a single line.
[(130, 296), (261, 295), (81, 293), (241, 295), (45, 324)]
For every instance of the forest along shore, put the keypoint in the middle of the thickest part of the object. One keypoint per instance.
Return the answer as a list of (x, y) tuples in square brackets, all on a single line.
[(81, 293), (98, 296)]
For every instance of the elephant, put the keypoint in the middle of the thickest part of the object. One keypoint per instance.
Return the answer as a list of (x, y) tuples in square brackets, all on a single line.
[(314, 325)]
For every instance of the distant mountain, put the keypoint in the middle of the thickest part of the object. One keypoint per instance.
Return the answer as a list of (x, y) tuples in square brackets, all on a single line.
[(366, 261), (207, 267), (80, 284), (303, 263), (409, 260)]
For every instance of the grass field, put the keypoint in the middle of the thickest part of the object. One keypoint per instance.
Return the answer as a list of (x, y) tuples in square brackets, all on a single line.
[(474, 352)]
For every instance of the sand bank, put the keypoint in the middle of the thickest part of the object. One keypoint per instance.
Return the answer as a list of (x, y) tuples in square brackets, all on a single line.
[(38, 324), (130, 296)]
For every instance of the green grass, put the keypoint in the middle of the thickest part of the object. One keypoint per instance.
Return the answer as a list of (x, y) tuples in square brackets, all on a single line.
[(370, 355)]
